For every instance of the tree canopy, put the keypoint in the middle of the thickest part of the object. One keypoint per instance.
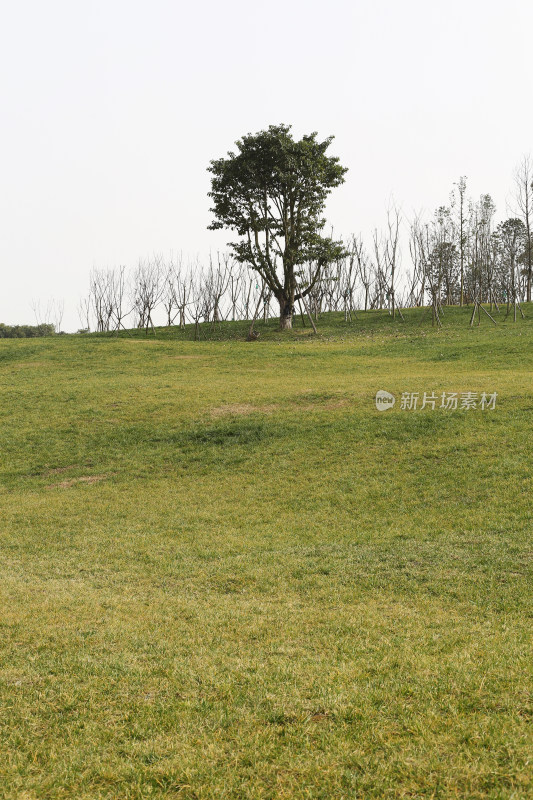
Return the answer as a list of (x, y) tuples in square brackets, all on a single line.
[(272, 193)]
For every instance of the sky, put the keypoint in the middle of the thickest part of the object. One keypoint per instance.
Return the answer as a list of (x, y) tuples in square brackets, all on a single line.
[(111, 111)]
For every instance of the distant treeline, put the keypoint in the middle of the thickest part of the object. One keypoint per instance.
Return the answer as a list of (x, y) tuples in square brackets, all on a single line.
[(25, 331)]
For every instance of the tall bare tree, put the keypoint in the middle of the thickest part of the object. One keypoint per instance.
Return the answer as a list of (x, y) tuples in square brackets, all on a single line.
[(524, 203), (148, 290), (462, 233)]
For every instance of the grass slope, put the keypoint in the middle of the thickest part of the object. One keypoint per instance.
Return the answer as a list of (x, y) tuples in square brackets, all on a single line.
[(224, 574)]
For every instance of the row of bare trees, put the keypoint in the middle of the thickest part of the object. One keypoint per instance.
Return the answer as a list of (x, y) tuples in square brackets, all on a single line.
[(459, 255), (179, 292), (462, 256)]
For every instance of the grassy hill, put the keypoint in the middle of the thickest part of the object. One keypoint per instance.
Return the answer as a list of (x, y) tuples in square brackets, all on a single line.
[(225, 574)]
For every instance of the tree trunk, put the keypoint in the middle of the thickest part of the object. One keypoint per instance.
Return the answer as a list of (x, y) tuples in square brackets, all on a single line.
[(286, 310)]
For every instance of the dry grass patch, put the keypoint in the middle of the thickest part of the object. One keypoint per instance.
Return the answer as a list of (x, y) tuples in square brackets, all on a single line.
[(60, 470), (245, 409), (24, 364), (72, 481), (177, 358), (242, 409)]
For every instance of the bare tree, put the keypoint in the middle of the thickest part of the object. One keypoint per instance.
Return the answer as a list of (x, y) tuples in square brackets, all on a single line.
[(422, 244), (171, 286), (365, 269), (511, 236), (197, 302), (215, 286), (49, 314), (59, 310), (348, 277), (84, 313), (387, 257), (235, 280), (524, 203), (183, 295), (392, 254), (148, 290), (417, 278), (118, 291), (462, 234), (100, 294)]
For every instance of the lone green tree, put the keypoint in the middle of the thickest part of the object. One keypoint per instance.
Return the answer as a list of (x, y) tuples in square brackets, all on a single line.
[(272, 193)]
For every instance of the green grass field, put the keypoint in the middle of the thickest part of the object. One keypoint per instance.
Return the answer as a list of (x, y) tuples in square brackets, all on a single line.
[(225, 574)]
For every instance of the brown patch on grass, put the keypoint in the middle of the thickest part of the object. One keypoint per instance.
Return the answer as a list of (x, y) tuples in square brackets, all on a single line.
[(238, 409), (59, 470), (243, 409), (81, 479), (187, 357), (340, 403), (22, 364), (320, 716)]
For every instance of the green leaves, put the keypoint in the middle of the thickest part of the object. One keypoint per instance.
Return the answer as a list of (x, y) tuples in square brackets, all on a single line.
[(272, 193)]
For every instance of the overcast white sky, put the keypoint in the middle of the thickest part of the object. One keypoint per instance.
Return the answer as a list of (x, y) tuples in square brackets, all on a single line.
[(111, 110)]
